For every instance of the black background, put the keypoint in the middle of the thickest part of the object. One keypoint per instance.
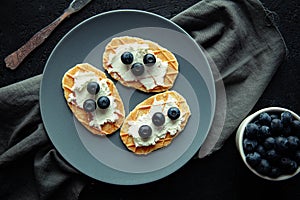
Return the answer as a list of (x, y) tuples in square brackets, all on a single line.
[(222, 175)]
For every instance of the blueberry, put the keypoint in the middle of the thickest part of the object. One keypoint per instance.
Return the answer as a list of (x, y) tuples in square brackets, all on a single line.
[(264, 119), (103, 102), (281, 144), (251, 130), (296, 126), (257, 123), (158, 119), (276, 126), (287, 130), (292, 167), (264, 132), (261, 150), (249, 145), (274, 116), (93, 87), (149, 59), (286, 117), (293, 142), (263, 167), (253, 159), (284, 162), (89, 105), (173, 113), (287, 165), (137, 69), (269, 143), (275, 172), (272, 155), (297, 157), (145, 131), (127, 58)]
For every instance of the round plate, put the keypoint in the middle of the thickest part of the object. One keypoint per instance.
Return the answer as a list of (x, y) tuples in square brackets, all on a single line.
[(106, 158)]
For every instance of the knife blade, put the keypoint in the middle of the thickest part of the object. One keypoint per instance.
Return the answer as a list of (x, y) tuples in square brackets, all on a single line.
[(77, 5), (13, 60)]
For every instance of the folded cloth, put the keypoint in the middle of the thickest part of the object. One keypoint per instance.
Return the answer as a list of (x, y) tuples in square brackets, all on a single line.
[(237, 35), (245, 46), (30, 167)]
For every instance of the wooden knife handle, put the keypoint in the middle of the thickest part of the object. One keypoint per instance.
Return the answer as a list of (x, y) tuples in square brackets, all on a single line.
[(13, 60)]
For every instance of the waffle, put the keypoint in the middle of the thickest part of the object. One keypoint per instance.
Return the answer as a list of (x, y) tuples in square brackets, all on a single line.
[(84, 117), (144, 108), (158, 51)]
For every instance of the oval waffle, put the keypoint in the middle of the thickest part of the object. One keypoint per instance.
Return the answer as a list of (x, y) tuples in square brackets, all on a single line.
[(160, 52), (144, 108), (80, 114)]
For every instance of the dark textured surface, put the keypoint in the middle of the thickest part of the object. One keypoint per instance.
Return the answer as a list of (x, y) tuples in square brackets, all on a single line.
[(220, 176)]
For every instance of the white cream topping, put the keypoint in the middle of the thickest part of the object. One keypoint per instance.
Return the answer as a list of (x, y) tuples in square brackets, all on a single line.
[(153, 76), (80, 94), (158, 132)]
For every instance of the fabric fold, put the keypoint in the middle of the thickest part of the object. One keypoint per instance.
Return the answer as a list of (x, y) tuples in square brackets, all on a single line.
[(30, 167), (246, 50)]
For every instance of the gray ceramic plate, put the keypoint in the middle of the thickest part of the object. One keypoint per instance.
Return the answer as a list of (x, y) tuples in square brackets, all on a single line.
[(106, 158)]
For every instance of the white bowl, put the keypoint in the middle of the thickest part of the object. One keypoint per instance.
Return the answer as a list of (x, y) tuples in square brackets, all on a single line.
[(240, 135)]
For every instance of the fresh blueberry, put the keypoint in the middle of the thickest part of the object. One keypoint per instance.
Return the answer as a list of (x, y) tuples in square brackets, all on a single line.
[(287, 165), (103, 102), (264, 132), (253, 159), (269, 143), (149, 59), (158, 119), (137, 69), (173, 113), (281, 144), (261, 150), (275, 172), (296, 125), (287, 130), (93, 87), (297, 157), (293, 142), (249, 145), (284, 162), (127, 58), (276, 126), (274, 116), (264, 119), (272, 155), (251, 130), (263, 167), (145, 131), (292, 167), (89, 105), (257, 123), (286, 118)]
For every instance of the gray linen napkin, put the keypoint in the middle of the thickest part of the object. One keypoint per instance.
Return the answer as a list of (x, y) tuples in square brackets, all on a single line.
[(246, 47), (30, 167)]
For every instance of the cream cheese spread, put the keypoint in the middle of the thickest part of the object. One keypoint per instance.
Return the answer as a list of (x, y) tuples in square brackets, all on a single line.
[(158, 132), (153, 76), (80, 94)]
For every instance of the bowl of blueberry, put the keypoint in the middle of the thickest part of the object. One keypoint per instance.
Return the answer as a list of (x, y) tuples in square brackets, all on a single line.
[(269, 143)]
